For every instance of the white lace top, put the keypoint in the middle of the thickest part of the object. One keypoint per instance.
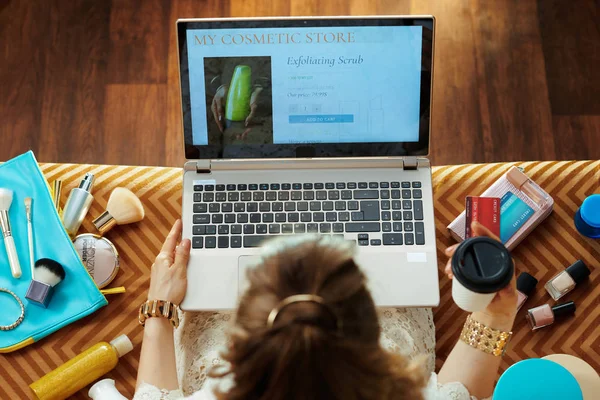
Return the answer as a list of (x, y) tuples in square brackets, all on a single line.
[(201, 336)]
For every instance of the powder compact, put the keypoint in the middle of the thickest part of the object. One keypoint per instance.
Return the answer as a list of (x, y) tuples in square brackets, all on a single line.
[(99, 256)]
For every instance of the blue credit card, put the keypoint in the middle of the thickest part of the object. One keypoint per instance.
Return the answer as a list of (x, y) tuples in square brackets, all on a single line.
[(514, 212)]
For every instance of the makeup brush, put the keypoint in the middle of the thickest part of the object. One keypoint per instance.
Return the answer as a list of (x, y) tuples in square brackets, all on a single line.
[(56, 192), (123, 207), (6, 197), (47, 274), (28, 204)]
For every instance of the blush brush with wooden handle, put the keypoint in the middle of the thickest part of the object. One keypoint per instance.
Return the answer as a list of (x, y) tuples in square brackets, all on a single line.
[(123, 207)]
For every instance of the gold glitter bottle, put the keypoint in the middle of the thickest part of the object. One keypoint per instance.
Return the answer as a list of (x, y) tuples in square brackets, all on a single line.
[(81, 370)]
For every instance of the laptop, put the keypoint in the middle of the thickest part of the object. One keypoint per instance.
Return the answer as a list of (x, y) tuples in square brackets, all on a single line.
[(308, 125)]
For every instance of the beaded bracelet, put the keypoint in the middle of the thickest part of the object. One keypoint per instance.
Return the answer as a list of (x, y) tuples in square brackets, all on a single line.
[(20, 319)]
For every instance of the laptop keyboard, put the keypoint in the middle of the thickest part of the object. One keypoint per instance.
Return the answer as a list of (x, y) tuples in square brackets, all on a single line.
[(244, 215)]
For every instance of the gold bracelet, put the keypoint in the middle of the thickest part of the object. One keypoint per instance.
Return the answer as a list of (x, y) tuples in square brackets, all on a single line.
[(159, 308), (484, 338)]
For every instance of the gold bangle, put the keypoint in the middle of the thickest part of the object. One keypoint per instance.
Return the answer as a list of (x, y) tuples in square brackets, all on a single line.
[(20, 319), (484, 338), (159, 308)]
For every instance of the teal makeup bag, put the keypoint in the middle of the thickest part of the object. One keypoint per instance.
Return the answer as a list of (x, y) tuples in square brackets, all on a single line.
[(76, 296)]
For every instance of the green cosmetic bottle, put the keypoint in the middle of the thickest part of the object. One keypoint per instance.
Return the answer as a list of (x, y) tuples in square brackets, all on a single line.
[(237, 107)]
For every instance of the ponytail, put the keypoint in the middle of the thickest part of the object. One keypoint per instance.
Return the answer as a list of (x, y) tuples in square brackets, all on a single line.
[(307, 329)]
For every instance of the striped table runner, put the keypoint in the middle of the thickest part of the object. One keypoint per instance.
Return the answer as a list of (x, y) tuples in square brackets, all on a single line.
[(554, 245)]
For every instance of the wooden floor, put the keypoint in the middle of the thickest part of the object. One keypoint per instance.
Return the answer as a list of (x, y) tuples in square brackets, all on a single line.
[(96, 81)]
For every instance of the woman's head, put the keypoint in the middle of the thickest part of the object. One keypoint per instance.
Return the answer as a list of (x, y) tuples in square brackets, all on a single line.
[(324, 348)]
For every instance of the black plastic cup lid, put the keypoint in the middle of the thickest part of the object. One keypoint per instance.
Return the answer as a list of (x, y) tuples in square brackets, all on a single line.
[(482, 265), (564, 309), (578, 271), (526, 283)]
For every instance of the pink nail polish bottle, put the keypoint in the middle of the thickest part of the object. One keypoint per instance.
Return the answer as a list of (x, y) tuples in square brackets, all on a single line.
[(545, 315), (566, 280), (525, 286)]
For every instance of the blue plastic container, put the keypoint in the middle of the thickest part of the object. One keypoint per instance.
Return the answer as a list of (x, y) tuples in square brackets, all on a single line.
[(537, 379), (587, 218)]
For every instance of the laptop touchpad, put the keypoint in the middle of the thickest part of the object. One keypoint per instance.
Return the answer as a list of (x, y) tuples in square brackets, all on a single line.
[(244, 264)]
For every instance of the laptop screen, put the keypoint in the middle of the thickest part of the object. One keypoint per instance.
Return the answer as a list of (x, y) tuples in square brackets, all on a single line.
[(306, 88)]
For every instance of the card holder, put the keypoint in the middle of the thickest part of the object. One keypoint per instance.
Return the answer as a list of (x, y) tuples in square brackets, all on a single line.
[(523, 188)]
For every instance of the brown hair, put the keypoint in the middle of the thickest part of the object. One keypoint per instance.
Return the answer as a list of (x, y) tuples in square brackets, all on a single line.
[(303, 355)]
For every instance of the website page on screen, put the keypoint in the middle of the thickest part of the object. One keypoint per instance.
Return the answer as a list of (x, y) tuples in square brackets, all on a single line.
[(305, 85)]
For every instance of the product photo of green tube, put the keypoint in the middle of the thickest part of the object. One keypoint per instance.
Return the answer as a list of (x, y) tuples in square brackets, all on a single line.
[(237, 106)]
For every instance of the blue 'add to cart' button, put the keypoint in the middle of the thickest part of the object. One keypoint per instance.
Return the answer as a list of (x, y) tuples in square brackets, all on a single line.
[(321, 119)]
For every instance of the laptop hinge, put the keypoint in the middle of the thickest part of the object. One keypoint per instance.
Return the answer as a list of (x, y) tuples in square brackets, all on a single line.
[(410, 163), (199, 166), (203, 167)]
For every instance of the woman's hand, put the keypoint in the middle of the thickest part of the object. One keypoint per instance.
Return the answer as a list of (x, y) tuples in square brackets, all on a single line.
[(501, 312), (217, 106), (168, 279), (253, 105), (168, 282)]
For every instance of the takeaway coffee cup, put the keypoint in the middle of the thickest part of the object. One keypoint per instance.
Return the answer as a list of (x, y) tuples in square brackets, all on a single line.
[(481, 267)]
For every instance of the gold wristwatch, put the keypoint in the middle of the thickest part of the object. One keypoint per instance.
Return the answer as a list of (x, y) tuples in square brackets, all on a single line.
[(159, 308), (484, 338)]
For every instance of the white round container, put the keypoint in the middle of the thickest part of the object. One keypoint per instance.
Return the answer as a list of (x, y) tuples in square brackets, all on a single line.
[(584, 373), (105, 390)]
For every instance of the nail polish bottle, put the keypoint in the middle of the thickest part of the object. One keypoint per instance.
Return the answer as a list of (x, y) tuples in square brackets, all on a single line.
[(566, 280), (525, 286), (545, 315)]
